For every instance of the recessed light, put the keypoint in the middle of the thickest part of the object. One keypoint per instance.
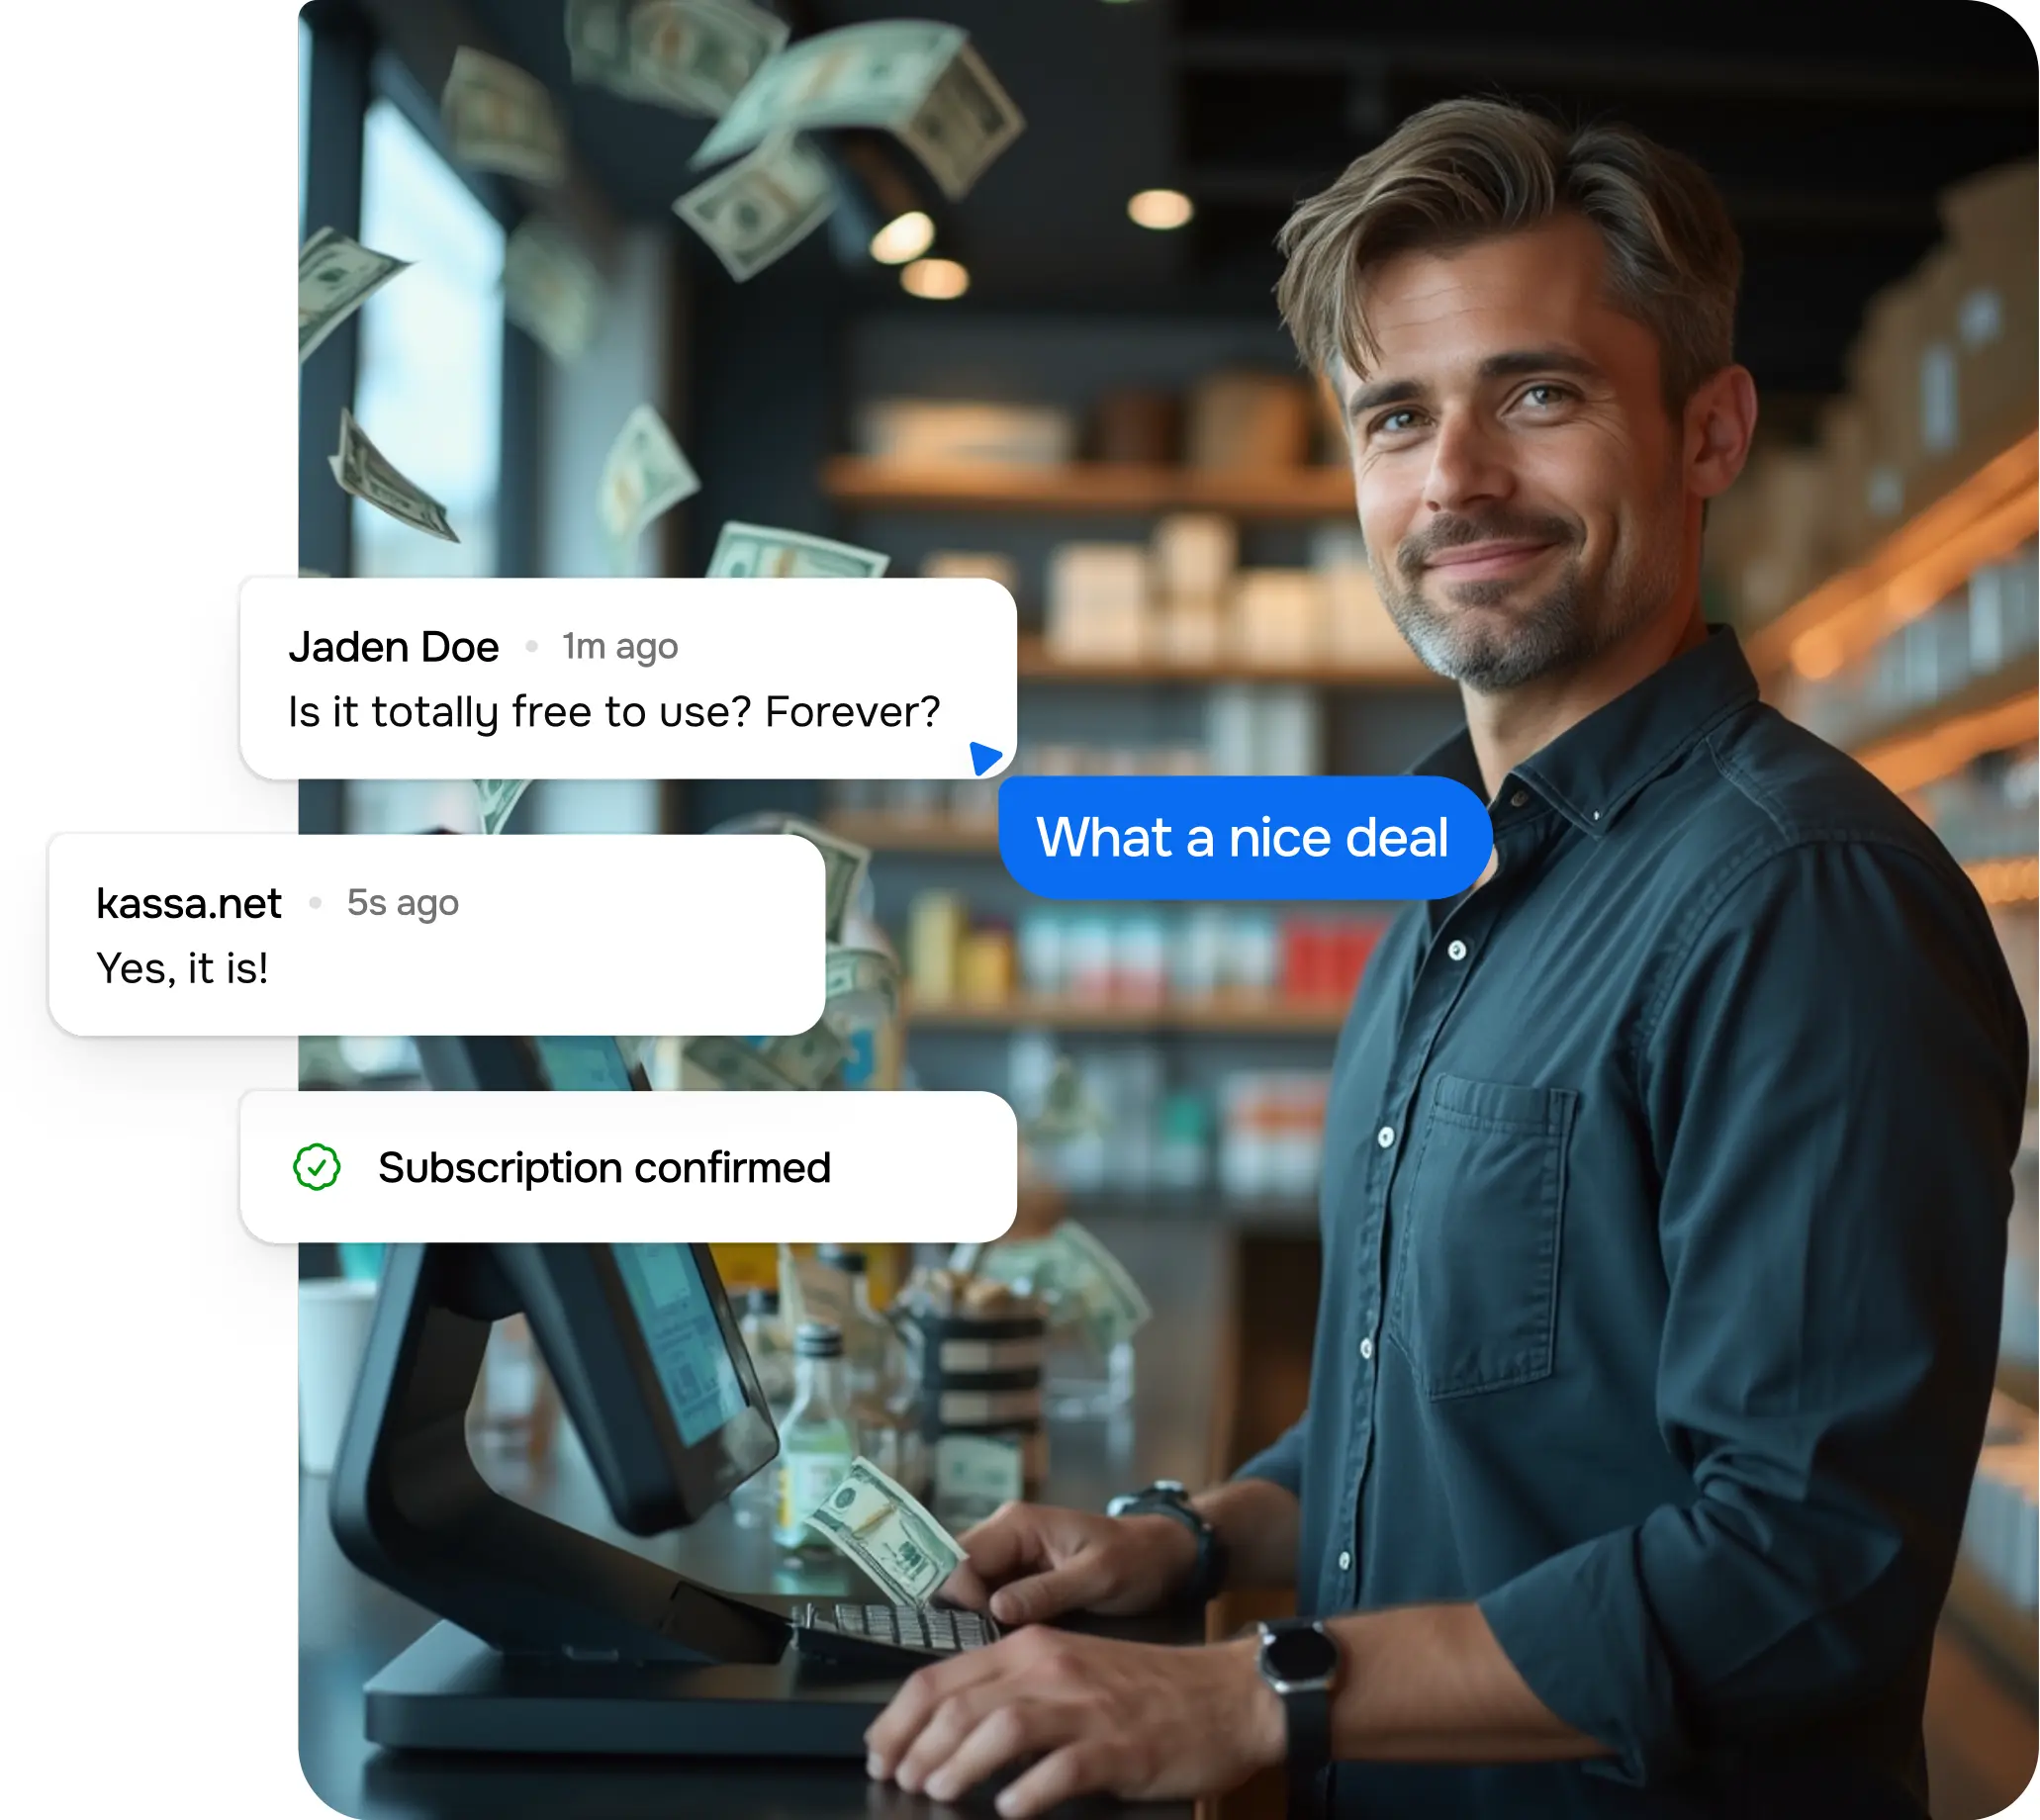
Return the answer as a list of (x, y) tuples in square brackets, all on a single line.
[(906, 236), (1161, 208), (940, 278)]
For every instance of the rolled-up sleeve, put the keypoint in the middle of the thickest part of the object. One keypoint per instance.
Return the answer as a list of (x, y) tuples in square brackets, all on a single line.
[(1281, 1461), (1833, 1070)]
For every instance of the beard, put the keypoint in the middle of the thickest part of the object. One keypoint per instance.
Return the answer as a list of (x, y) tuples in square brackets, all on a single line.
[(1490, 637)]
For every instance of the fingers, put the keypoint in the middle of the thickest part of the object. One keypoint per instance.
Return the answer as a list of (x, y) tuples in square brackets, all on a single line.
[(1008, 1541), (920, 1696), (968, 1735), (1077, 1768), (1043, 1596), (964, 1588)]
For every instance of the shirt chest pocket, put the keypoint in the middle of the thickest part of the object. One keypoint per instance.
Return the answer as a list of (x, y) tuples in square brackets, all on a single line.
[(1474, 1306)]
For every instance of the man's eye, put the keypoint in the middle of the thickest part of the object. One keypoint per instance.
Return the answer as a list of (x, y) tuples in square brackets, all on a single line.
[(1553, 394), (1395, 422)]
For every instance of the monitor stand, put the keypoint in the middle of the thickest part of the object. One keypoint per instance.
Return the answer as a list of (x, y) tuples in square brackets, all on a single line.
[(555, 1641)]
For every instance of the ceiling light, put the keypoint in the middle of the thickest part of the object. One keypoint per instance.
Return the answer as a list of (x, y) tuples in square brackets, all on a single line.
[(1161, 208), (941, 278), (906, 236)]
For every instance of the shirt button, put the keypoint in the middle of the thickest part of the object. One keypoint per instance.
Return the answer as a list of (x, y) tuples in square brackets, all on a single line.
[(1519, 799), (1367, 1348), (1345, 1560), (1385, 1136), (1458, 950)]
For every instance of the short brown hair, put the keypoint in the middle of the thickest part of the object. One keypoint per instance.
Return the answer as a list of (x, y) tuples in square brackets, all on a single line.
[(1466, 170)]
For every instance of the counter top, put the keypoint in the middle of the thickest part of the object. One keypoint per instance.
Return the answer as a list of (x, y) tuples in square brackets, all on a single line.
[(350, 1626)]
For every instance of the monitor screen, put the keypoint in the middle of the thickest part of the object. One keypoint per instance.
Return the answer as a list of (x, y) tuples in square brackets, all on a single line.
[(682, 1335)]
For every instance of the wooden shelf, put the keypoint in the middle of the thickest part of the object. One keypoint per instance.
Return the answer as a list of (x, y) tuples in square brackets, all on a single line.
[(1088, 487), (1978, 513), (912, 834), (1935, 741), (1036, 665), (1233, 1016)]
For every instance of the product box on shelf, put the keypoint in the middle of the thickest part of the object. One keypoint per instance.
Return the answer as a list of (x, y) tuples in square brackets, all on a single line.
[(1884, 375), (1249, 420), (1099, 603), (1993, 305), (934, 430)]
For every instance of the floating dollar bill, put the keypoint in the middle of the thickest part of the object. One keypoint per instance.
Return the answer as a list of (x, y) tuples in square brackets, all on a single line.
[(762, 205), (843, 862), (919, 79), (361, 469), (498, 797), (733, 1065), (975, 1473), (810, 1057), (550, 290), (644, 475), (763, 549), (811, 1290), (1083, 1284), (501, 120), (876, 1523), (598, 44), (335, 277), (696, 56), (863, 986), (313, 575), (1067, 1110)]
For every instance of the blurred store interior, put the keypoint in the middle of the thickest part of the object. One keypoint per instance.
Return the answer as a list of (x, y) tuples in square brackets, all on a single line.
[(1095, 403)]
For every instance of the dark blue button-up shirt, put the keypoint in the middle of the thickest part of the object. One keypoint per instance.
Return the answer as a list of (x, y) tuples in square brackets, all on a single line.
[(1666, 1181)]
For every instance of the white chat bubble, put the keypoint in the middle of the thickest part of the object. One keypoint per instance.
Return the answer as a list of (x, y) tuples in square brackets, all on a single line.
[(623, 1167), (754, 677), (283, 935)]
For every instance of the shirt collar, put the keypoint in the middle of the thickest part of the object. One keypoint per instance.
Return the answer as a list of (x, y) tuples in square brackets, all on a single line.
[(1592, 770)]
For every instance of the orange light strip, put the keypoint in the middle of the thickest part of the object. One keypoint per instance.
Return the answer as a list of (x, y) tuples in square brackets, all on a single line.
[(2007, 881), (1918, 759), (1984, 517)]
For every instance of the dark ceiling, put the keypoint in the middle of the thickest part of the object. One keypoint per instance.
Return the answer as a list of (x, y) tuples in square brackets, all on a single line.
[(1829, 131)]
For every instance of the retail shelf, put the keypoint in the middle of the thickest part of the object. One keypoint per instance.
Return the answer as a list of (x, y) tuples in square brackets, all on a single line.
[(1038, 664), (2007, 879), (1941, 738), (1999, 1628), (1235, 1015), (1088, 487), (1978, 513), (1296, 1214), (889, 833)]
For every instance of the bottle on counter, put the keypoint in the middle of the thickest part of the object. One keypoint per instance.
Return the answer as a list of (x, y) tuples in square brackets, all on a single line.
[(755, 1503), (817, 1445), (877, 1376)]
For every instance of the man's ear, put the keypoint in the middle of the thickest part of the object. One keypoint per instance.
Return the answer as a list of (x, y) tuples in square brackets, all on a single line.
[(1721, 419)]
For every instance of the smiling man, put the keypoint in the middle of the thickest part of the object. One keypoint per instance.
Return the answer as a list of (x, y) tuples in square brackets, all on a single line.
[(1666, 1170)]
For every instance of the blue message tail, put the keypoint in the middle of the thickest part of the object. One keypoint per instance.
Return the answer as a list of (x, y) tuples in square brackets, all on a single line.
[(984, 758)]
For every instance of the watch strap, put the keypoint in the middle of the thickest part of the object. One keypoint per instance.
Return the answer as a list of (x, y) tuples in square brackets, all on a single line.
[(1207, 1574), (1308, 1715)]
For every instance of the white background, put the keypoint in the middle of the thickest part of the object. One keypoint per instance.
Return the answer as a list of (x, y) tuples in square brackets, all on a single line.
[(892, 639), (903, 1167), (148, 1351), (701, 932)]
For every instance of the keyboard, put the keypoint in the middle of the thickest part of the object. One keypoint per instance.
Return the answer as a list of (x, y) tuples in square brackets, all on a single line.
[(889, 1639)]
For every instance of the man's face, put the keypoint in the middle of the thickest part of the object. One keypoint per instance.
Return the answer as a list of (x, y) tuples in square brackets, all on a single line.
[(1519, 482)]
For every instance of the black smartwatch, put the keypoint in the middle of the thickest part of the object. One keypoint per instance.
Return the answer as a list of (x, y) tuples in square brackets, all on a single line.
[(1299, 1659), (1169, 1497)]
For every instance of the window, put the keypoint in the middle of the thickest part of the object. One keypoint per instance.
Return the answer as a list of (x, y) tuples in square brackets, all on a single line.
[(428, 393)]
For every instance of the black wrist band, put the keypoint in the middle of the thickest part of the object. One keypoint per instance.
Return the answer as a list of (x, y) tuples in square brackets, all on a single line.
[(1208, 1572)]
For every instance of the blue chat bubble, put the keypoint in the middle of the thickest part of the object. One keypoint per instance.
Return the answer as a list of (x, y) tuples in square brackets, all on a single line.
[(1236, 840)]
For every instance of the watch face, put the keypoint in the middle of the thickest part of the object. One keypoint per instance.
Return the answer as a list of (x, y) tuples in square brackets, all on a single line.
[(1298, 1656)]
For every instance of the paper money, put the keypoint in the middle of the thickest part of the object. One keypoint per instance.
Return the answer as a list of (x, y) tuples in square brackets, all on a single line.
[(598, 44), (501, 120), (917, 78), (550, 290), (360, 468), (498, 797), (876, 1523), (811, 1290), (863, 986), (734, 1065), (1083, 1284), (335, 277), (313, 575), (808, 1059), (763, 549), (762, 205), (644, 475), (696, 56), (975, 1473)]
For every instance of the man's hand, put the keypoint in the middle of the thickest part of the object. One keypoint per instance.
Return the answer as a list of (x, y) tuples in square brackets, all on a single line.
[(1133, 1721), (1033, 1561)]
